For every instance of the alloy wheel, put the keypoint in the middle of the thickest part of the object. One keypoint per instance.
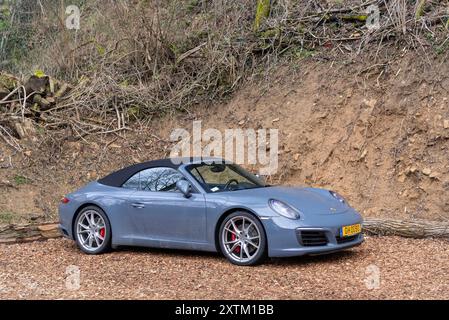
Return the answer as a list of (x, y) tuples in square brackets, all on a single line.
[(241, 239), (91, 230)]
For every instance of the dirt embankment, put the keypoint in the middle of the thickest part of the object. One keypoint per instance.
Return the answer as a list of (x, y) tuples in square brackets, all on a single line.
[(377, 133)]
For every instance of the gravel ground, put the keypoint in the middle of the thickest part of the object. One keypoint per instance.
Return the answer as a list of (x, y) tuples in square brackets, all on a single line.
[(407, 269)]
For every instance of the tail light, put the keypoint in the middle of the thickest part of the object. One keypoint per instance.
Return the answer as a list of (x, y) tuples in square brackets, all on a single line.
[(65, 200)]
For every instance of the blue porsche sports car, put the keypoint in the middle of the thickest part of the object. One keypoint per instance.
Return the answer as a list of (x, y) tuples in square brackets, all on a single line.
[(210, 205)]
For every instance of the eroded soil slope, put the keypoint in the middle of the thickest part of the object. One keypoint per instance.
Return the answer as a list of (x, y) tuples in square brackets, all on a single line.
[(378, 133)]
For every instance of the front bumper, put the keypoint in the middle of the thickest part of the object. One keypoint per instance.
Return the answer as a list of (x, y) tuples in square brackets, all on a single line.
[(284, 235)]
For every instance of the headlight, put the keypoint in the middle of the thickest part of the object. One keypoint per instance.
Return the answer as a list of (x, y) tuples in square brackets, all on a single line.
[(283, 209), (338, 197)]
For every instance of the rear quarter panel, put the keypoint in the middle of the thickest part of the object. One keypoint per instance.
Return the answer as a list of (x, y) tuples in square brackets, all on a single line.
[(111, 200)]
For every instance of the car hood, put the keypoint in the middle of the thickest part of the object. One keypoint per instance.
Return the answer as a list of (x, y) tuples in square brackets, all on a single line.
[(306, 200)]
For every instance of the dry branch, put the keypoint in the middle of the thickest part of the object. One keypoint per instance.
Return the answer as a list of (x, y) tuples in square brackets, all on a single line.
[(190, 52)]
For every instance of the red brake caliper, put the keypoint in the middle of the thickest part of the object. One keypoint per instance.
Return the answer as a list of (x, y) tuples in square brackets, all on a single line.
[(233, 237), (102, 232)]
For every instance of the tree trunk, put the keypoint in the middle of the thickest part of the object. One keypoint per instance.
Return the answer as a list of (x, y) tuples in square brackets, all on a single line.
[(406, 228), (403, 228)]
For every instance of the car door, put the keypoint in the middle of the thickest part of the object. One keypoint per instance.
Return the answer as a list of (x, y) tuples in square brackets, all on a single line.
[(160, 212)]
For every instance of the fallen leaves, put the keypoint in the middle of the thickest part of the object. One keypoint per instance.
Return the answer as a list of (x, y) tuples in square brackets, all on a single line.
[(38, 271)]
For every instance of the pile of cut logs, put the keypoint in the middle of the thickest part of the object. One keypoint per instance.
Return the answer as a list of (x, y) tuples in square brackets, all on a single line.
[(29, 232), (38, 93)]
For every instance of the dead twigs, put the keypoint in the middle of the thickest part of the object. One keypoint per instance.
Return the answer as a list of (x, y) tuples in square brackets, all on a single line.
[(168, 64), (9, 139)]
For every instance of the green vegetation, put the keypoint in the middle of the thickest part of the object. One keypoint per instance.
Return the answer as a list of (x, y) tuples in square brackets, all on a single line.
[(420, 9), (15, 30), (439, 44), (7, 217), (262, 12), (302, 53), (355, 17), (192, 5), (444, 47), (20, 180)]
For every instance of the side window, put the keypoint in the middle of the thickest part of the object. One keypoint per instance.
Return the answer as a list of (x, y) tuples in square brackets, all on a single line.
[(154, 179), (133, 182), (194, 172)]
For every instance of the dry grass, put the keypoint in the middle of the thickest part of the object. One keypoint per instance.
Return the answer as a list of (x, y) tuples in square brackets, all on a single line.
[(132, 61)]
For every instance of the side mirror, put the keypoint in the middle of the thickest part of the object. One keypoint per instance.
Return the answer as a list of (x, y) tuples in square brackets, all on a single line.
[(184, 187), (261, 178)]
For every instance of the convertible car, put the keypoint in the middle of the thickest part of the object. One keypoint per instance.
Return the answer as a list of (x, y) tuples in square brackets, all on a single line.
[(210, 205)]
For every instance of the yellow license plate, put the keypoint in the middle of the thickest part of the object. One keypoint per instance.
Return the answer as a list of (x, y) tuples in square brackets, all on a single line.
[(351, 230)]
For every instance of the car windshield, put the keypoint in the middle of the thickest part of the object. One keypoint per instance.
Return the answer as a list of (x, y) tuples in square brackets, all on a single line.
[(224, 177)]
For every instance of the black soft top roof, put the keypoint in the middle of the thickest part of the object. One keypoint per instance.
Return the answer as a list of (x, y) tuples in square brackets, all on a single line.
[(118, 178)]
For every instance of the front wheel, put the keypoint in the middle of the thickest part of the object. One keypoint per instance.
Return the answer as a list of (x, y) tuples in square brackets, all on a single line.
[(92, 230), (242, 239)]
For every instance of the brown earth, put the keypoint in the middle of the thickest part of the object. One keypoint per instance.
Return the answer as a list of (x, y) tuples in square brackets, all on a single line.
[(376, 133), (406, 270)]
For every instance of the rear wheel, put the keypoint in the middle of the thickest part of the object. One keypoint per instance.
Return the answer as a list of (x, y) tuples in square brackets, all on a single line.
[(242, 239), (92, 230)]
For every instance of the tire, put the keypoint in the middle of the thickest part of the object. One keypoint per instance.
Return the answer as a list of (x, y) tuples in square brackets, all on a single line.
[(245, 248), (92, 237)]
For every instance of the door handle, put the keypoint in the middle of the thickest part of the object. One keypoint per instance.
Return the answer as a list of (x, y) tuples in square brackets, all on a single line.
[(138, 205)]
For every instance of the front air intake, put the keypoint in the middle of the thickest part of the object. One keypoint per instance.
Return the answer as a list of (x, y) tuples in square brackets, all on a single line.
[(312, 238)]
